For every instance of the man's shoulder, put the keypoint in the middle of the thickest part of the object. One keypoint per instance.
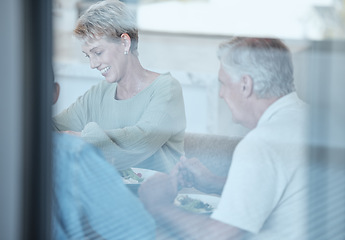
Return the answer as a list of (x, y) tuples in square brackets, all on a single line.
[(63, 138), (71, 144), (252, 140), (71, 151)]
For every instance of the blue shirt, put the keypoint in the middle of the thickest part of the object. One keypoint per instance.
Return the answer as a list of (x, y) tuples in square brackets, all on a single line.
[(90, 200)]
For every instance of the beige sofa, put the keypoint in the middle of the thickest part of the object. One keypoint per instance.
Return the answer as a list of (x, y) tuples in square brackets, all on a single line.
[(214, 151)]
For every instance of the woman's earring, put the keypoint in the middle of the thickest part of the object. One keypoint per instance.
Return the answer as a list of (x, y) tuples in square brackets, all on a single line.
[(125, 52)]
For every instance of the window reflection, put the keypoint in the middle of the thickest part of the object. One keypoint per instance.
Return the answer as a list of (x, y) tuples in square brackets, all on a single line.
[(182, 36)]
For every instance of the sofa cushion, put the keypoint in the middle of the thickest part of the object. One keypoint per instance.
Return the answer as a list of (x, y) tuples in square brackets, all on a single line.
[(214, 151)]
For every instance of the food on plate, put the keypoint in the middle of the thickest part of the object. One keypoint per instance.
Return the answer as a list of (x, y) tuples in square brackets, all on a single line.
[(193, 205), (130, 176)]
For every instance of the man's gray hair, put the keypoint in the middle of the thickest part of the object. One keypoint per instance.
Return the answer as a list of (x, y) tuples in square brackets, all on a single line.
[(107, 19), (267, 61)]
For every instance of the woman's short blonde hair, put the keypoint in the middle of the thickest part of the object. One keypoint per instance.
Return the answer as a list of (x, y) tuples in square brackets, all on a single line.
[(107, 19)]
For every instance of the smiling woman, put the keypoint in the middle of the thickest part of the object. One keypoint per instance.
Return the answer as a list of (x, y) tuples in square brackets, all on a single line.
[(135, 116)]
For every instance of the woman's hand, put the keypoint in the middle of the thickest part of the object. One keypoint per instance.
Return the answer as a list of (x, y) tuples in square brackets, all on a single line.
[(78, 134)]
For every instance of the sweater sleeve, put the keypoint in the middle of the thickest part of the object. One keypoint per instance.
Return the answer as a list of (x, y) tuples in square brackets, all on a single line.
[(160, 123), (76, 116)]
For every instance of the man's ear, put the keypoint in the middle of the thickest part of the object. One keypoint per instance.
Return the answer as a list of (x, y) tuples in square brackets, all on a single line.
[(247, 86), (56, 92)]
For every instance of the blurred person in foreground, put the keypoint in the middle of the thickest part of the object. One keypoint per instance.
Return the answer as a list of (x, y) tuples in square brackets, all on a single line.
[(264, 193), (135, 116), (90, 200)]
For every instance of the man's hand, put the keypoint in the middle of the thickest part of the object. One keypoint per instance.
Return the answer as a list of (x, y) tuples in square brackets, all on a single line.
[(158, 191), (192, 173)]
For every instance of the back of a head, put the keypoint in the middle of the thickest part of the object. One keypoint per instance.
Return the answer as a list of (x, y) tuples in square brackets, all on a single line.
[(267, 61), (107, 19), (56, 87)]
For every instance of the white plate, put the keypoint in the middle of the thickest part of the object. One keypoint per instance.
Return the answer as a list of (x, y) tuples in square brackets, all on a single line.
[(208, 200)]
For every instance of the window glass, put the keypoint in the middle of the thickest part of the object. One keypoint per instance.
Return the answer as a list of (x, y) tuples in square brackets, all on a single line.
[(182, 37)]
